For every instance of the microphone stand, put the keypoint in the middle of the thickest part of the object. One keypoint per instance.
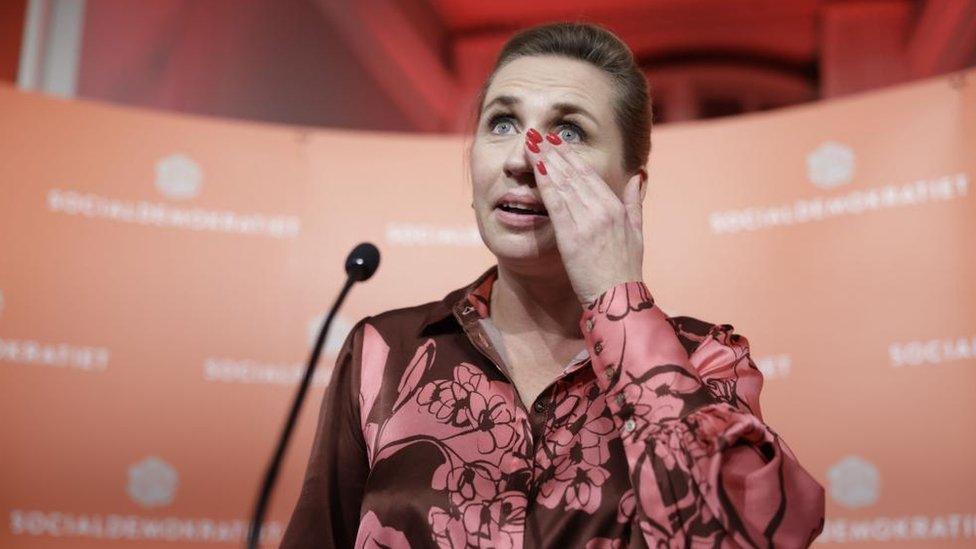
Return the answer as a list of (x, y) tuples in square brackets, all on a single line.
[(360, 265)]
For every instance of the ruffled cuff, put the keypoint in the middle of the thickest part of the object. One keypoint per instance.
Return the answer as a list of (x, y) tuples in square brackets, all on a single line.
[(738, 470)]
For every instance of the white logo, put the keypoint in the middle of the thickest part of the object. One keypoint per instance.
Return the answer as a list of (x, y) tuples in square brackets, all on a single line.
[(338, 332), (152, 482), (854, 482), (830, 165), (178, 177), (427, 234), (932, 351), (774, 367)]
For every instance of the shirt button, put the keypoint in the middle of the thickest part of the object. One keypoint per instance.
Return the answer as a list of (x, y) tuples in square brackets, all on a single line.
[(609, 373), (598, 347), (589, 324), (539, 406), (620, 399), (630, 425)]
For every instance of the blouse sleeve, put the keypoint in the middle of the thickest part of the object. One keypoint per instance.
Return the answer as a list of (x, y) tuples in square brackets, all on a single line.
[(327, 512), (704, 467)]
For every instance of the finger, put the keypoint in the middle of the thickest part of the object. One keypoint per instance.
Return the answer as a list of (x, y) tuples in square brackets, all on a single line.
[(589, 184), (552, 198), (590, 195), (566, 178)]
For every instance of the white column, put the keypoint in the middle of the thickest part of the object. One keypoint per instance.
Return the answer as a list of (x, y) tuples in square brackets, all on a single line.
[(51, 49)]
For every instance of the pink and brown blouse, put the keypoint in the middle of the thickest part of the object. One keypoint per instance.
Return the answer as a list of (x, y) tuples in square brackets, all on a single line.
[(650, 437)]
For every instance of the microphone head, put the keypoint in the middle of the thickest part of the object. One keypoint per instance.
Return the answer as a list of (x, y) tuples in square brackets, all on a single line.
[(362, 261)]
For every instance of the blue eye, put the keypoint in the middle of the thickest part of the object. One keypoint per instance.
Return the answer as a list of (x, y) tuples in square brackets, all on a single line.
[(571, 133), (502, 122)]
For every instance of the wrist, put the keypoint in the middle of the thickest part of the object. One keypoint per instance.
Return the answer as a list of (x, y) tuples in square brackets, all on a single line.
[(588, 301)]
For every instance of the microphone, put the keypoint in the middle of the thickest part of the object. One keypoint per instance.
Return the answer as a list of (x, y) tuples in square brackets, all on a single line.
[(361, 263)]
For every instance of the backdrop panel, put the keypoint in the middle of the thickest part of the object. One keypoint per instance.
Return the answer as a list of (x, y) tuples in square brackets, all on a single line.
[(162, 276)]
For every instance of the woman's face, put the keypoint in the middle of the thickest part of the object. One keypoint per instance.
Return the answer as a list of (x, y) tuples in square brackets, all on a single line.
[(570, 98)]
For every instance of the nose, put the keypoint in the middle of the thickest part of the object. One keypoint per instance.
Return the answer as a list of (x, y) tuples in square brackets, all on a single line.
[(518, 165)]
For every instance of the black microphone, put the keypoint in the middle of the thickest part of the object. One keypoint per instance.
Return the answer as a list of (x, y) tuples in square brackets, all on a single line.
[(361, 263)]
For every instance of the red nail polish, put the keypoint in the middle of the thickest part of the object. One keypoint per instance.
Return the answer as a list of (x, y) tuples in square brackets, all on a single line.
[(533, 147), (553, 138), (534, 135), (541, 166)]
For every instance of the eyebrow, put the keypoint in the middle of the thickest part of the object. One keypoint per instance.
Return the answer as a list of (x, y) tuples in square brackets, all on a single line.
[(562, 108)]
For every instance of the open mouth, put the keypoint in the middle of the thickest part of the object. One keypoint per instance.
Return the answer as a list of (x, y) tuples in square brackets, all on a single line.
[(523, 210)]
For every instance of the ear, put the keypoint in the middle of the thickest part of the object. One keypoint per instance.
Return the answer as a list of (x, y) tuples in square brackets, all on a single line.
[(633, 200), (643, 183)]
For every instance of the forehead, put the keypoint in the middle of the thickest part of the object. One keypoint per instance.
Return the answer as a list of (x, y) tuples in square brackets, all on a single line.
[(541, 80)]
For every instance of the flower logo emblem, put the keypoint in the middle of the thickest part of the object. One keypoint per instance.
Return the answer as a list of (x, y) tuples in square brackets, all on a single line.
[(152, 482), (854, 482), (178, 177), (830, 165)]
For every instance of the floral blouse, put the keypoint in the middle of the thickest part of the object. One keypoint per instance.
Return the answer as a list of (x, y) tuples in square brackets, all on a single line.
[(650, 437)]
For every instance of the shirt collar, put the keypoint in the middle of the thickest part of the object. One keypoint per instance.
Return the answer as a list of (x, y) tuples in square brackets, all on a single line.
[(469, 303)]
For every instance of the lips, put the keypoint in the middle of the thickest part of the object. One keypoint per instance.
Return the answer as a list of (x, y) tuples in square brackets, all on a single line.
[(521, 204)]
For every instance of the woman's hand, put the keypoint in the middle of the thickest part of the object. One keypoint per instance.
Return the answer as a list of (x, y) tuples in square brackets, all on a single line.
[(599, 236)]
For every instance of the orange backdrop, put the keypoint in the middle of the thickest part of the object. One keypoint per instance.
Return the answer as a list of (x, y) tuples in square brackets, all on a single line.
[(162, 277)]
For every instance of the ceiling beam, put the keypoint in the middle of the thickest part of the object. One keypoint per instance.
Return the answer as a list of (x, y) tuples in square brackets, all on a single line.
[(944, 39), (863, 45), (399, 57)]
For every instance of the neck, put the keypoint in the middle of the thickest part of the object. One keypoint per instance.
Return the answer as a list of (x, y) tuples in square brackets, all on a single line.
[(535, 302)]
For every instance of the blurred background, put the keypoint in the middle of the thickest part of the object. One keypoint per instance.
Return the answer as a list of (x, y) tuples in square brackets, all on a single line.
[(181, 181), (415, 65)]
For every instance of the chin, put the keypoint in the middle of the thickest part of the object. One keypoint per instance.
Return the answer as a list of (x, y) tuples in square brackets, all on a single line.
[(525, 244), (520, 247)]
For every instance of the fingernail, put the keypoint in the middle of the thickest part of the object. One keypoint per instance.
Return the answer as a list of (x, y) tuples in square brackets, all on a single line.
[(541, 166), (533, 147), (553, 138), (534, 135)]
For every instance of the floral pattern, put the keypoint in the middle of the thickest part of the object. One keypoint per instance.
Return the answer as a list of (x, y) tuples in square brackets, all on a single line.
[(571, 462), (655, 438)]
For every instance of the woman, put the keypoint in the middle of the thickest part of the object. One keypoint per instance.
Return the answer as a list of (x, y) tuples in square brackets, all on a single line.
[(550, 403)]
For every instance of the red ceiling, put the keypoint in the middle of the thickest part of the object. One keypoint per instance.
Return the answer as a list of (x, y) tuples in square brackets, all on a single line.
[(417, 64)]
